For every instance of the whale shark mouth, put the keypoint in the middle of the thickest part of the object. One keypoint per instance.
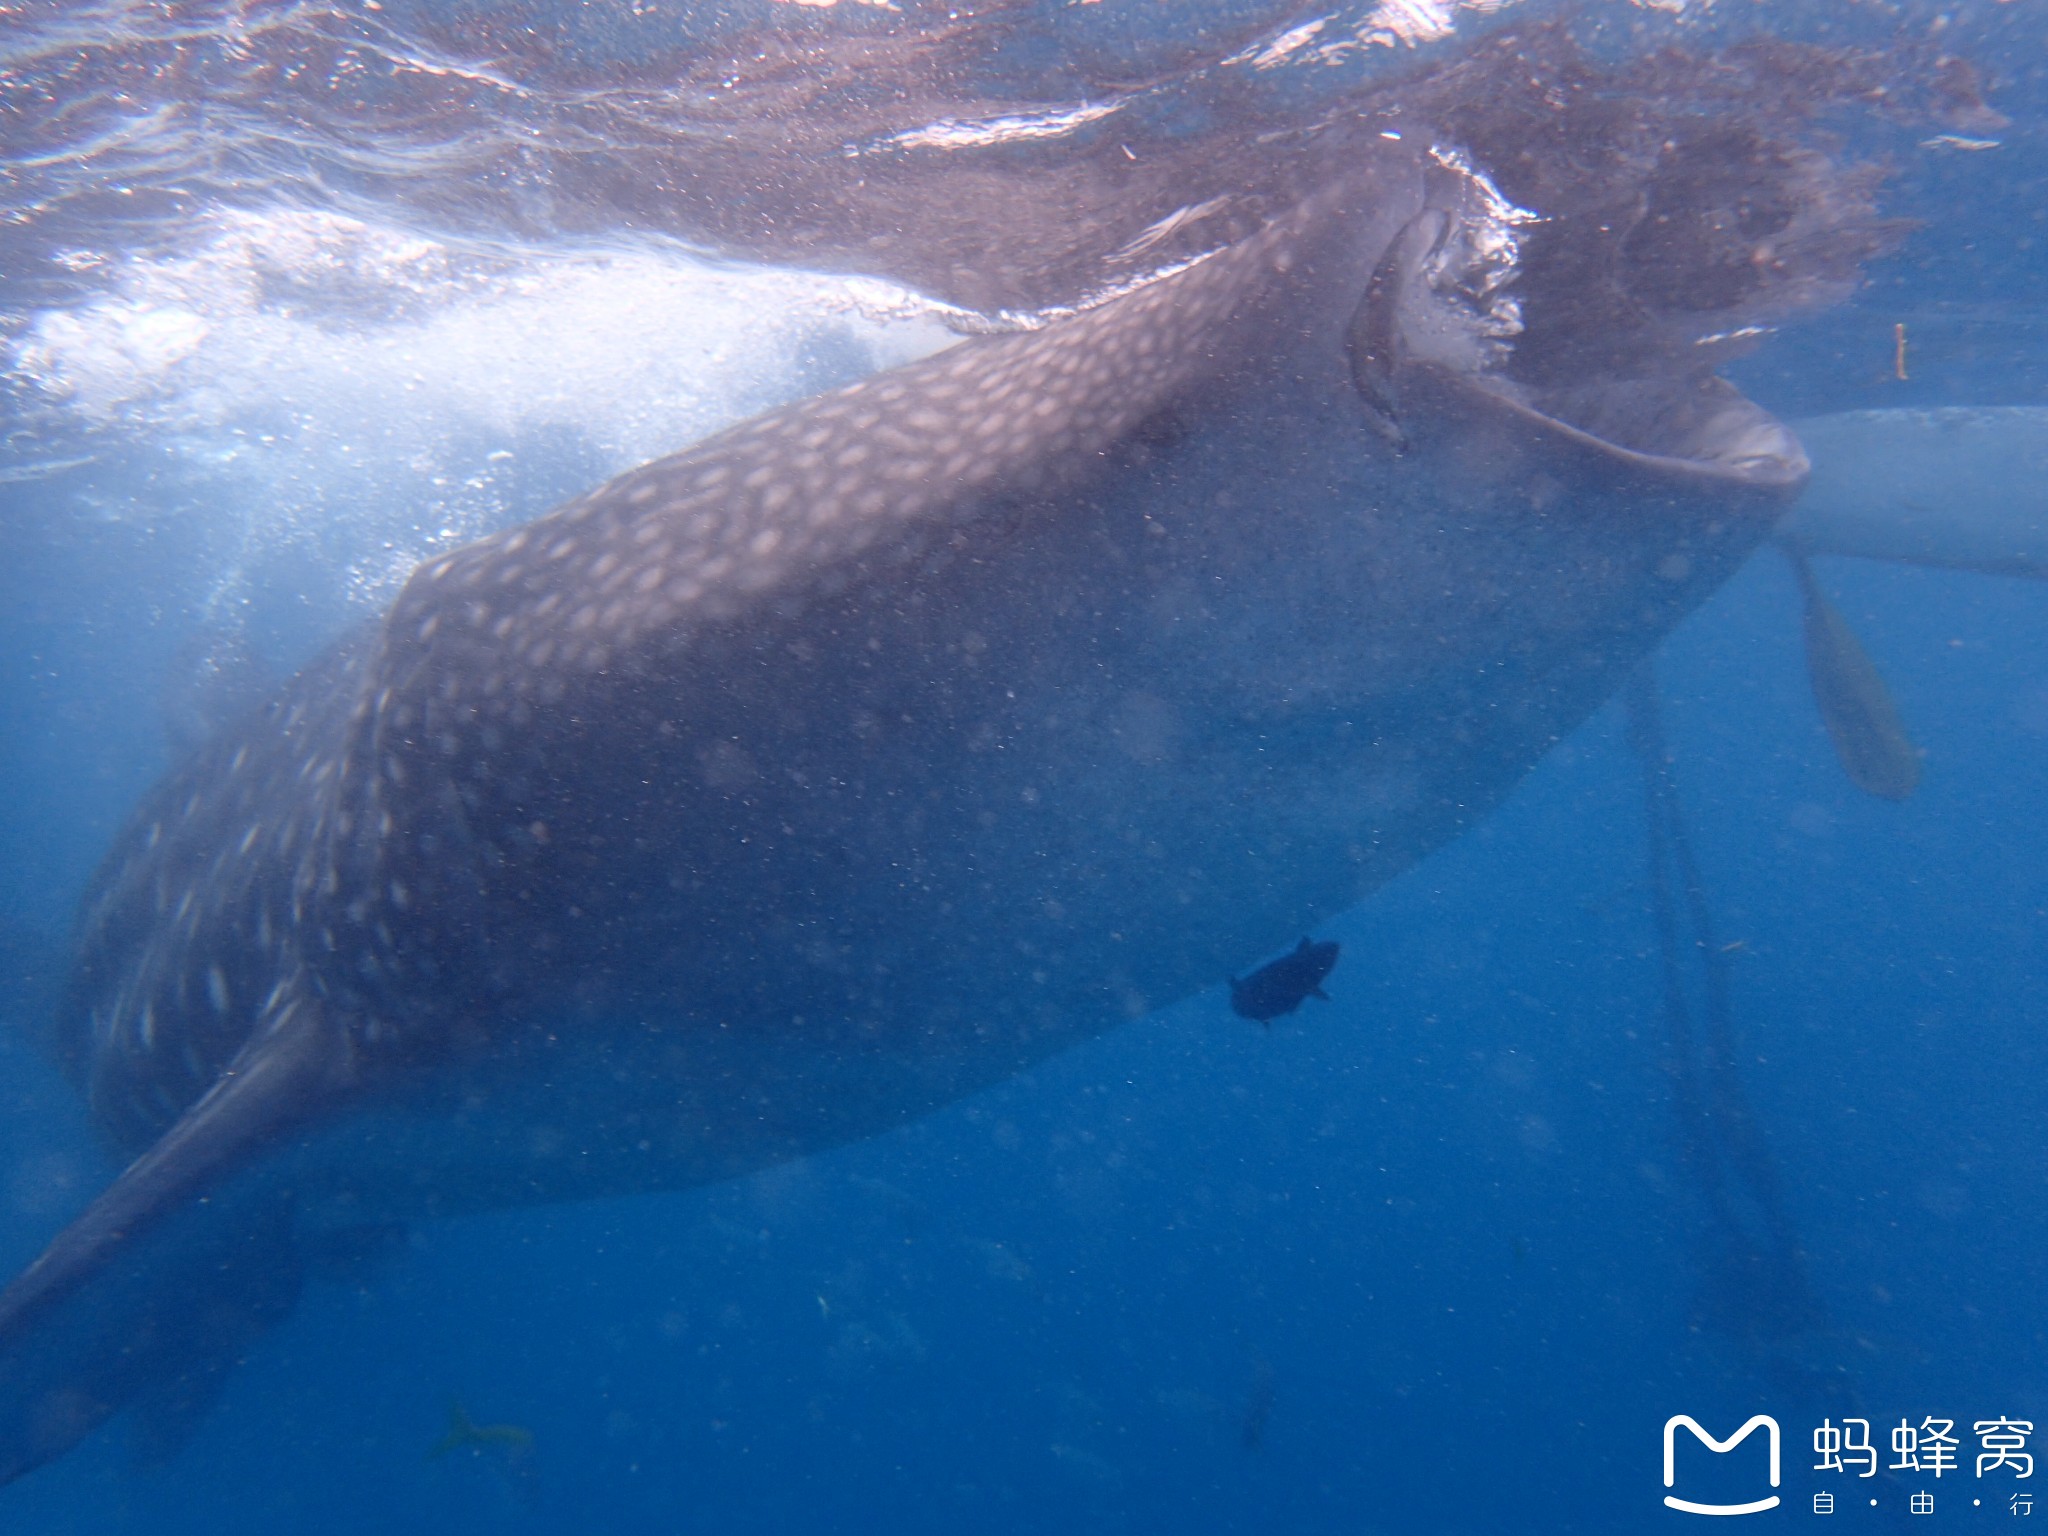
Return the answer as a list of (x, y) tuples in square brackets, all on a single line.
[(1588, 255), (1443, 318)]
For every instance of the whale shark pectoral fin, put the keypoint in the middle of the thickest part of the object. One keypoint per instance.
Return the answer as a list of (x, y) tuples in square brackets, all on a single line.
[(252, 1285), (295, 1060), (170, 1269)]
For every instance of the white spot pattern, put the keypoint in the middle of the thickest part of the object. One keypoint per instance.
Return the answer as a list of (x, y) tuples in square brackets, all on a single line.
[(317, 859)]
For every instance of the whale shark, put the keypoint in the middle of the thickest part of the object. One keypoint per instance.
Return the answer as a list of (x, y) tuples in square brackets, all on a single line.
[(786, 788)]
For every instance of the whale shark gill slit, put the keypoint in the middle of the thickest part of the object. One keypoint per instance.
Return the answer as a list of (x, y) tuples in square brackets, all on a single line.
[(786, 788)]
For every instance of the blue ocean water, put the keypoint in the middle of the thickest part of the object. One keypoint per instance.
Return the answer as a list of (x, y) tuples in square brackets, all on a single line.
[(1432, 1257)]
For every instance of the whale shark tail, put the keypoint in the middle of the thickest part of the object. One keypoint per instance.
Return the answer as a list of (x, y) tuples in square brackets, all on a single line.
[(163, 1279)]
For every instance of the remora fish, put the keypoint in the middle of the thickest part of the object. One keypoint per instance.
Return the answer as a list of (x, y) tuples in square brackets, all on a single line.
[(784, 789)]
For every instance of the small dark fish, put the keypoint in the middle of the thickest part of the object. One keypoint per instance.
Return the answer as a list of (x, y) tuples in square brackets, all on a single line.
[(1280, 986)]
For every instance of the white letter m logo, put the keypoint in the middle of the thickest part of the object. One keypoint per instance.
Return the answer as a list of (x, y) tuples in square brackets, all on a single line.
[(1718, 1446)]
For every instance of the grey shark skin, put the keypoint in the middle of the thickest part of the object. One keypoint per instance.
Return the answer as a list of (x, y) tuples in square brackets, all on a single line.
[(780, 791)]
